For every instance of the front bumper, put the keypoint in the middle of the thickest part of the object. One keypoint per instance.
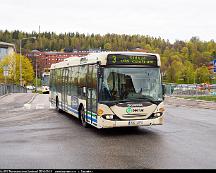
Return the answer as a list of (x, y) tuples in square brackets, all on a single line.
[(103, 123)]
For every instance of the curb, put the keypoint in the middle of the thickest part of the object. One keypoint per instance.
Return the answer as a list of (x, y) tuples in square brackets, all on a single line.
[(4, 95)]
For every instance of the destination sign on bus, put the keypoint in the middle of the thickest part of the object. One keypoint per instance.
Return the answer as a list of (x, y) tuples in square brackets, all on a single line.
[(119, 59)]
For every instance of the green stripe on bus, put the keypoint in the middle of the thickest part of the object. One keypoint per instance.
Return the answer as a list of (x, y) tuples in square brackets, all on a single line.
[(89, 113)]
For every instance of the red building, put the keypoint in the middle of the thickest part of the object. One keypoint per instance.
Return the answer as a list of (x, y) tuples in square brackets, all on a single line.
[(43, 60)]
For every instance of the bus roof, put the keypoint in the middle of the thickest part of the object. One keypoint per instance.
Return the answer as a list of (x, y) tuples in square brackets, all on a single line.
[(97, 57)]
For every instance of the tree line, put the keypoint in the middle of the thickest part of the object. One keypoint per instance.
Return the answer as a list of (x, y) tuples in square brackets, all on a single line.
[(182, 61)]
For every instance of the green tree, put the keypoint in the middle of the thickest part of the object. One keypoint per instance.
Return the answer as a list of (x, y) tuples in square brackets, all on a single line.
[(188, 72), (202, 75), (39, 82), (13, 62), (191, 54), (108, 46), (174, 72)]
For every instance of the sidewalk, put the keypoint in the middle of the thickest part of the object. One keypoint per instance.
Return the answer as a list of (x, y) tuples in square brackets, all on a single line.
[(176, 101)]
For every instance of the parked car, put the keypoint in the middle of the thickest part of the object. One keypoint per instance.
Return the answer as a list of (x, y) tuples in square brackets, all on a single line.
[(30, 87), (212, 86)]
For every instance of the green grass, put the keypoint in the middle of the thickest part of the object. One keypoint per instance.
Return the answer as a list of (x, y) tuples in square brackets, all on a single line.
[(40, 92), (207, 98)]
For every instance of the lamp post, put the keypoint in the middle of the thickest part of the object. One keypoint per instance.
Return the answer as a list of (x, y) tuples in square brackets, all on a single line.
[(21, 55), (36, 73)]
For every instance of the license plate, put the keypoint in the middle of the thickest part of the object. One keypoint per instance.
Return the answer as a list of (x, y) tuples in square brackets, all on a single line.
[(135, 123)]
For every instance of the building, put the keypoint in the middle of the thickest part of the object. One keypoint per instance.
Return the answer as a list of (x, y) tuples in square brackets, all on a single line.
[(44, 60), (6, 49)]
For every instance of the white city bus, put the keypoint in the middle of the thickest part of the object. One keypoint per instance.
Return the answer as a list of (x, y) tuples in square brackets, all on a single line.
[(45, 81), (109, 89)]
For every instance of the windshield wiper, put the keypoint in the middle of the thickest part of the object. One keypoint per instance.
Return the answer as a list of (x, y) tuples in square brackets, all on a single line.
[(150, 99), (114, 102)]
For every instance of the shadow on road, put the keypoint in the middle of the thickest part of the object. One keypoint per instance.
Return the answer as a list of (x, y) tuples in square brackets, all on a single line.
[(118, 131)]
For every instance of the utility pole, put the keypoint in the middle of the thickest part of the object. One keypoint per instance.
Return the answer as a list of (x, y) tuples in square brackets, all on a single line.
[(36, 73), (20, 63), (36, 68), (5, 72)]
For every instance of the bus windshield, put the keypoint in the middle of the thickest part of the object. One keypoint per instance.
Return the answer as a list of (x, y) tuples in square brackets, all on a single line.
[(129, 84), (45, 79)]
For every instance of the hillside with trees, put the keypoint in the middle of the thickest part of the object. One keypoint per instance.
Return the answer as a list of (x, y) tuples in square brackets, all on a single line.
[(182, 61)]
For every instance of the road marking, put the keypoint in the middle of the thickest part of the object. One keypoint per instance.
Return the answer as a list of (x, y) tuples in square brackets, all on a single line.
[(27, 106), (32, 99), (40, 106), (51, 106)]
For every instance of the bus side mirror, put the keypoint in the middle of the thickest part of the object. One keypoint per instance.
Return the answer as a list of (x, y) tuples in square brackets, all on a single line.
[(100, 72), (84, 90)]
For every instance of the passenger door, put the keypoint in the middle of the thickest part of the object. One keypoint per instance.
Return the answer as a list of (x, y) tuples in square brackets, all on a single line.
[(64, 88), (92, 94)]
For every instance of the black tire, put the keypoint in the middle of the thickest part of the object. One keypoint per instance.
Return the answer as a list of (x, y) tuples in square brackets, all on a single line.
[(57, 105), (82, 117)]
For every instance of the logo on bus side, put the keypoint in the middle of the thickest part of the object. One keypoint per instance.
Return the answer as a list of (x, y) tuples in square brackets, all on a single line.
[(74, 102)]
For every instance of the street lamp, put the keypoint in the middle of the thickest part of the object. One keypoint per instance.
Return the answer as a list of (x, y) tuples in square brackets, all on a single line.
[(36, 73), (21, 54)]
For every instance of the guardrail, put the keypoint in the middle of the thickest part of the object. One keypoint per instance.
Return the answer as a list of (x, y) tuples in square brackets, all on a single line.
[(11, 88), (177, 91)]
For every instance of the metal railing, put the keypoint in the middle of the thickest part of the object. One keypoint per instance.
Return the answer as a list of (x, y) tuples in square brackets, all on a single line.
[(175, 90), (11, 88)]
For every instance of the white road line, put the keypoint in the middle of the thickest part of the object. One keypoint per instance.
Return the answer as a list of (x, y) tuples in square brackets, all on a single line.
[(32, 99), (40, 106)]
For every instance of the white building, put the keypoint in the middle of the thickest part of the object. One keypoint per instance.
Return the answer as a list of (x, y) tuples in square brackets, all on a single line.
[(6, 49)]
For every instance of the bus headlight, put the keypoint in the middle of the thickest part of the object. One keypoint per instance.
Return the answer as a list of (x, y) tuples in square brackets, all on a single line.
[(108, 117), (158, 114)]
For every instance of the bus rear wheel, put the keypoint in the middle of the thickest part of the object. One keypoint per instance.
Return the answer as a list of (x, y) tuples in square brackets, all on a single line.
[(57, 105), (82, 117)]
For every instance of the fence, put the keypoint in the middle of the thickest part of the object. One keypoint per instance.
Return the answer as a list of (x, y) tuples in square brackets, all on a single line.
[(177, 90), (11, 88)]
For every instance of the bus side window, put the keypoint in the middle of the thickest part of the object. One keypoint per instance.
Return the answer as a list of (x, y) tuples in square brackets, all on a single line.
[(69, 80), (66, 80), (74, 82), (82, 80), (58, 80)]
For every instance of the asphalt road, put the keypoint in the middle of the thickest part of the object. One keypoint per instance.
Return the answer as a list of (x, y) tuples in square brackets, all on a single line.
[(33, 136)]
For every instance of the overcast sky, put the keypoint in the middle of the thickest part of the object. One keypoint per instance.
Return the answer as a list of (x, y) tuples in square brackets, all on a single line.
[(169, 19)]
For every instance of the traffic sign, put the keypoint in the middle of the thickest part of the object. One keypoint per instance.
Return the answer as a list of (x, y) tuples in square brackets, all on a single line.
[(214, 65), (6, 69), (5, 73)]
